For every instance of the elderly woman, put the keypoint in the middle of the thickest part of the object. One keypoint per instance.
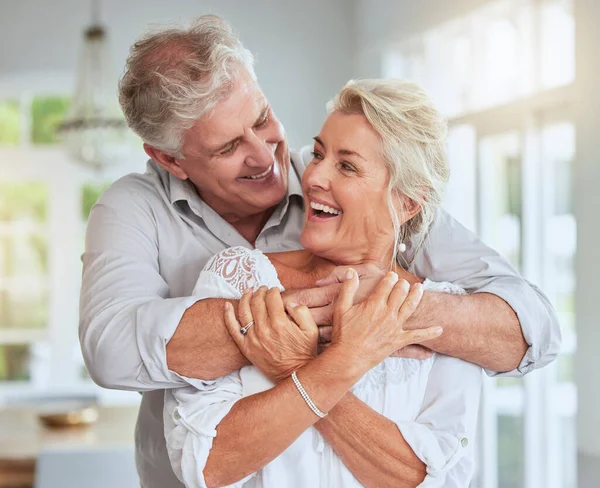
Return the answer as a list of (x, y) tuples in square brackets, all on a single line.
[(351, 415)]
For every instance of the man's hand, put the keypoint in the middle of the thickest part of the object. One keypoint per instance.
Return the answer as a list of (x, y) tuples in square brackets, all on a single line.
[(319, 300), (373, 328)]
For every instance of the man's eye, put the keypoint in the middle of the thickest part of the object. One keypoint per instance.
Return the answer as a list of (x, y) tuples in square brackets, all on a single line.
[(228, 150), (263, 121)]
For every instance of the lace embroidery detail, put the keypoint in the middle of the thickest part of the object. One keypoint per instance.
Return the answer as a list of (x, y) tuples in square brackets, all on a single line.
[(391, 371), (237, 267)]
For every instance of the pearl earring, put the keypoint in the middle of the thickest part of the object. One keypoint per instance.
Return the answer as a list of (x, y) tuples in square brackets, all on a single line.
[(401, 247)]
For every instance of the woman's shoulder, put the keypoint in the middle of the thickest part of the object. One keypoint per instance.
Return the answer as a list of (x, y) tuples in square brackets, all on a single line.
[(232, 271)]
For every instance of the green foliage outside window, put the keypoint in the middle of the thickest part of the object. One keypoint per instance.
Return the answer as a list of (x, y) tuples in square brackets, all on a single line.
[(24, 301), (14, 362), (89, 195), (23, 201), (10, 123), (46, 114), (511, 452)]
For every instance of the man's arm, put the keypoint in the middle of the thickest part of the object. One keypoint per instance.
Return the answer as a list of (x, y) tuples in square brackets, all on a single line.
[(126, 317), (479, 328), (507, 324), (205, 351)]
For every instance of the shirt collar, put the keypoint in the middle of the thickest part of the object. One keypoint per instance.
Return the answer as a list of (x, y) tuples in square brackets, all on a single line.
[(184, 190)]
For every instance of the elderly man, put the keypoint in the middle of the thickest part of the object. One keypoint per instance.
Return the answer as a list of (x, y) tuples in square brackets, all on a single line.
[(221, 175)]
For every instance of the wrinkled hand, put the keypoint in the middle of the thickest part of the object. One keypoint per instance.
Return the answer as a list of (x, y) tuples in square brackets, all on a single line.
[(366, 272), (275, 344), (414, 351), (373, 329), (320, 299)]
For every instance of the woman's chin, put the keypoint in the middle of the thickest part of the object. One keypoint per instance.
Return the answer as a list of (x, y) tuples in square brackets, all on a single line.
[(312, 243)]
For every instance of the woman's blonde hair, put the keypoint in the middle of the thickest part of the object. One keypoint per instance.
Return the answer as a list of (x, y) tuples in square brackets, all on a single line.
[(413, 135), (175, 76)]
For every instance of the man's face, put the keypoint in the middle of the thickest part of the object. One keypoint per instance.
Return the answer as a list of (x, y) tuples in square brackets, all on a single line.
[(237, 156)]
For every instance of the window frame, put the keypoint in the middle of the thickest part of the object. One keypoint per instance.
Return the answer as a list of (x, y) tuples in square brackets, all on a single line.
[(56, 360)]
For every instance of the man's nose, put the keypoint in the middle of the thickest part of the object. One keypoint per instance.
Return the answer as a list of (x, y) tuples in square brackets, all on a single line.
[(261, 153)]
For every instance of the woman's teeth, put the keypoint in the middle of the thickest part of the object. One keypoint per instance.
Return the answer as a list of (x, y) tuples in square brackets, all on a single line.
[(262, 175), (325, 208)]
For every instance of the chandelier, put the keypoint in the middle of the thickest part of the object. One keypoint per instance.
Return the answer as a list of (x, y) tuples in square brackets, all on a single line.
[(94, 131)]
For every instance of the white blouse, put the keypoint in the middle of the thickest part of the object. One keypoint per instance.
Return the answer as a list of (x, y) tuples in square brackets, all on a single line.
[(434, 403)]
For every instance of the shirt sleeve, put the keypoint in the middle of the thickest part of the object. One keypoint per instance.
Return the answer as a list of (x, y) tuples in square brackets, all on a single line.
[(126, 315), (453, 253), (191, 414), (443, 433)]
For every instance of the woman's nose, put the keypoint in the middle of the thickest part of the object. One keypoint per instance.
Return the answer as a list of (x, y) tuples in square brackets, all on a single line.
[(317, 175)]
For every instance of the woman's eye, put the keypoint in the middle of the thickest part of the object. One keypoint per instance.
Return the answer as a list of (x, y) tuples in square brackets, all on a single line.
[(316, 155), (346, 167)]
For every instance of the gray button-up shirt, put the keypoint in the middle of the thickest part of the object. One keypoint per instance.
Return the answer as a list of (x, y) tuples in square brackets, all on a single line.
[(150, 235)]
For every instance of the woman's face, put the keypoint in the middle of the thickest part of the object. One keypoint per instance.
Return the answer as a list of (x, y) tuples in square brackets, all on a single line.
[(345, 190)]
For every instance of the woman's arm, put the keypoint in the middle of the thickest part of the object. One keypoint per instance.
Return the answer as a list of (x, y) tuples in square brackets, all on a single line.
[(260, 427), (437, 445), (218, 438)]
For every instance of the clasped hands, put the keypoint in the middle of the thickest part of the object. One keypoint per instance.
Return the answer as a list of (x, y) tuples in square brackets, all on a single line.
[(367, 316)]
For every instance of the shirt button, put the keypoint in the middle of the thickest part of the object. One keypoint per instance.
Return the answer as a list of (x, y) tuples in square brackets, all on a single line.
[(464, 442), (176, 415)]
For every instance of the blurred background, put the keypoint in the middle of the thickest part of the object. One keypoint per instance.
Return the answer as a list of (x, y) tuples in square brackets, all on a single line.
[(516, 80)]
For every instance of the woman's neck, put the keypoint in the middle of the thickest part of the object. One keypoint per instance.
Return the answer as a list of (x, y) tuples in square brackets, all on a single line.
[(302, 269)]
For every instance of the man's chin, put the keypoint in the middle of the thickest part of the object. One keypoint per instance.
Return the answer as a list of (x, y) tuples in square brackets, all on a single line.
[(268, 200)]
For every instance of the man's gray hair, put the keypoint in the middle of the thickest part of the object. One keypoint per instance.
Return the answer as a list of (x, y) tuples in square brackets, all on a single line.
[(175, 76)]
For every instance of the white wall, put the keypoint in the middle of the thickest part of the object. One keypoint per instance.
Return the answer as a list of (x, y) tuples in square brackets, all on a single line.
[(384, 21), (304, 49), (587, 204)]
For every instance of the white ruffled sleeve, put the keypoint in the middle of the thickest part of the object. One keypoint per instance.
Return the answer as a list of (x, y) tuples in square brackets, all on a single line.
[(443, 434), (191, 414)]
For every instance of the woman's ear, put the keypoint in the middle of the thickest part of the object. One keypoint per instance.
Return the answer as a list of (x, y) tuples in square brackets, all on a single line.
[(409, 207), (170, 163)]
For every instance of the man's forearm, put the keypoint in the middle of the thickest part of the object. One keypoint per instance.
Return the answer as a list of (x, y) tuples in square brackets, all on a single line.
[(201, 346), (480, 328), (370, 445)]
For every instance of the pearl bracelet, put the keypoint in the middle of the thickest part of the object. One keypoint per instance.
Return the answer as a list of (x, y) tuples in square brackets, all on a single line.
[(307, 399)]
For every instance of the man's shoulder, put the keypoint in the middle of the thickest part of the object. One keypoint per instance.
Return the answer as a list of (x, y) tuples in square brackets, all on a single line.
[(136, 188), (301, 158)]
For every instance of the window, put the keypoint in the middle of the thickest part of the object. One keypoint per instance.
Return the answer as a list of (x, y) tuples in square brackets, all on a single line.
[(45, 200), (10, 121), (46, 114), (503, 75)]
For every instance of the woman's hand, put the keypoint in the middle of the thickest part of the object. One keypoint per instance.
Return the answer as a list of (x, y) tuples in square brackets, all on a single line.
[(275, 344), (373, 329)]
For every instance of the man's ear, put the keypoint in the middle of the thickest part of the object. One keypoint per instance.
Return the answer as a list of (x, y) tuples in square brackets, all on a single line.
[(170, 163)]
